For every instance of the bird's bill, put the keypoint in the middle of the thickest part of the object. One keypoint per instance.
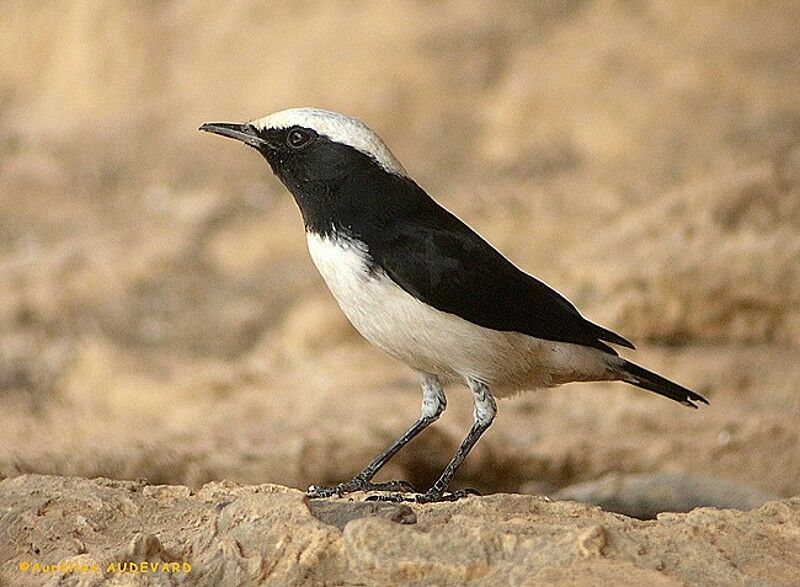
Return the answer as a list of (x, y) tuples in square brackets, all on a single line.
[(234, 130)]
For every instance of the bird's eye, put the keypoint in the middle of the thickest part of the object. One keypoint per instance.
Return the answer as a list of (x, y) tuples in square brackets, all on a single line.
[(298, 138)]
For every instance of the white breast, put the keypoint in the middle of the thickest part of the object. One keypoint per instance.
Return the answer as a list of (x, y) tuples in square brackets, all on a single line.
[(432, 341)]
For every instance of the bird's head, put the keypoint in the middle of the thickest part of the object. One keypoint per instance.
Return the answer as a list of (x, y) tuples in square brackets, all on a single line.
[(311, 146)]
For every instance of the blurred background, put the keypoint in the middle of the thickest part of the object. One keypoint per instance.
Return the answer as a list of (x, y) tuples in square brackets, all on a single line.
[(160, 318)]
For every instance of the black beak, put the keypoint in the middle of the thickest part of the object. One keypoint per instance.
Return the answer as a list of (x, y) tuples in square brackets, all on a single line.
[(244, 132)]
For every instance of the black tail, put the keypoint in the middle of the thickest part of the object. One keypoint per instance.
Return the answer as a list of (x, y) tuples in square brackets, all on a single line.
[(641, 377)]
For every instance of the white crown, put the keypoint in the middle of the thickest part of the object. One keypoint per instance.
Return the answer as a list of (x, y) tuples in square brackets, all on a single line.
[(338, 128)]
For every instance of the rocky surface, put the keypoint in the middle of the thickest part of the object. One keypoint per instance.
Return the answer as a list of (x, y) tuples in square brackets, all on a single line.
[(230, 534)]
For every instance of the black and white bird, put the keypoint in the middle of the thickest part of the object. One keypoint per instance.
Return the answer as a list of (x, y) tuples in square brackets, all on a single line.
[(424, 287)]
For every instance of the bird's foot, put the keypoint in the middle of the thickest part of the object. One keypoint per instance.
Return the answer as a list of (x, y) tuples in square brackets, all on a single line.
[(358, 484), (430, 496)]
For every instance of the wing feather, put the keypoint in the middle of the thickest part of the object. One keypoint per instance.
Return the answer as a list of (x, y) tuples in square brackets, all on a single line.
[(445, 264)]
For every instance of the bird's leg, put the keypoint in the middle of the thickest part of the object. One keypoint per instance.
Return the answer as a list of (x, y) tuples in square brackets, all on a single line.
[(433, 404), (485, 411)]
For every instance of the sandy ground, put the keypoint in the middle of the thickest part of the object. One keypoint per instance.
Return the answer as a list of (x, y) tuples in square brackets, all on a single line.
[(160, 318)]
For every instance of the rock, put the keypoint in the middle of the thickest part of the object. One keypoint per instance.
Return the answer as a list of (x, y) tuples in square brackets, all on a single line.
[(338, 512), (267, 534), (646, 496), (592, 542), (144, 546)]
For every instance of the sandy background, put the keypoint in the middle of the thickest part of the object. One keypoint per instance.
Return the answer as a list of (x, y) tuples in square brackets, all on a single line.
[(159, 316)]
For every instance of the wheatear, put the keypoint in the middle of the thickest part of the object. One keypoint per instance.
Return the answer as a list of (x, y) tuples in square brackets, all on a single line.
[(424, 287)]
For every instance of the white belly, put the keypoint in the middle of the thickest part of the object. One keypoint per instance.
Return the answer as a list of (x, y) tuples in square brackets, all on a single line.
[(436, 342)]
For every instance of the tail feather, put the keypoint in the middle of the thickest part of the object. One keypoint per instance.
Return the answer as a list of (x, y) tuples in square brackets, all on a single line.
[(641, 377)]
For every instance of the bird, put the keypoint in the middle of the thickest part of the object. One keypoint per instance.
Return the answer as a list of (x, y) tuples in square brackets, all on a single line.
[(427, 289)]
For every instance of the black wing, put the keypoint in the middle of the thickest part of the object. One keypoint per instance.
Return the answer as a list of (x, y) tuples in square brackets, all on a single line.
[(444, 263)]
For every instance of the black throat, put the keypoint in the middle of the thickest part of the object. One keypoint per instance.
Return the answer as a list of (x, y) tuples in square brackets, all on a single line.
[(341, 190)]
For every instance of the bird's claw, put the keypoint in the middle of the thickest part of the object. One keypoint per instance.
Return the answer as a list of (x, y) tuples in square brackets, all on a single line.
[(357, 484), (430, 496)]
